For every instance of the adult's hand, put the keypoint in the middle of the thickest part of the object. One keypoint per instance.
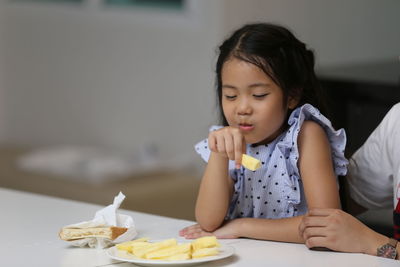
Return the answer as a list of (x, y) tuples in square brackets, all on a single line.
[(339, 231)]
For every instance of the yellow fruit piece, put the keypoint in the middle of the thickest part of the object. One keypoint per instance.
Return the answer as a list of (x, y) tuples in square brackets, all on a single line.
[(139, 246), (179, 257), (205, 242), (250, 163), (204, 252), (125, 247), (169, 251), (129, 245), (141, 252), (142, 239), (124, 254)]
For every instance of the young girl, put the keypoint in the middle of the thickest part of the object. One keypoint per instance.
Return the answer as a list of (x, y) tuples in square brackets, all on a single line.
[(269, 100)]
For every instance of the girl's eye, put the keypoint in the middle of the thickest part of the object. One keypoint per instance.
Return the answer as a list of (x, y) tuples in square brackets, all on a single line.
[(260, 95), (230, 97)]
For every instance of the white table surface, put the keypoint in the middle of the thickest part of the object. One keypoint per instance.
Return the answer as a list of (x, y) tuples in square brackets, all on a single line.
[(30, 223)]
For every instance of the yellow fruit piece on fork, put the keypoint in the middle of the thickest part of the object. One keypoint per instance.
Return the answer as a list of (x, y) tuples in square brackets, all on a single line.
[(250, 163)]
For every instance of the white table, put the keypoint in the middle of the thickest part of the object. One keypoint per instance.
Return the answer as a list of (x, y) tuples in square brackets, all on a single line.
[(30, 224)]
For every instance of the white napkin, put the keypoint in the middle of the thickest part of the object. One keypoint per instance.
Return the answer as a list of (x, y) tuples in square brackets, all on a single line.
[(107, 216)]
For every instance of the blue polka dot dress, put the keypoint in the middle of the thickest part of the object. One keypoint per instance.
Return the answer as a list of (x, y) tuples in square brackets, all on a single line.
[(275, 190)]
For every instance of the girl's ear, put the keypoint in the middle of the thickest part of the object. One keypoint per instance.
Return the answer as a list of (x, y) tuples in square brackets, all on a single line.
[(294, 99), (293, 102)]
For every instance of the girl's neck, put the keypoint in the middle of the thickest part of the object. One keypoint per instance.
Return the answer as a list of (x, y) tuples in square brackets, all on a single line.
[(271, 138)]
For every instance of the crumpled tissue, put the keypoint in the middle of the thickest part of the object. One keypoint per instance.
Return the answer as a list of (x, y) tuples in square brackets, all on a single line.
[(107, 216)]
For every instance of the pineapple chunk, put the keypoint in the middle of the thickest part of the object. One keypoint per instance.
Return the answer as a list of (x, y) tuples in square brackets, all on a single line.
[(141, 252), (204, 252), (124, 254), (130, 245), (250, 163), (169, 251), (179, 257), (139, 246), (205, 242), (142, 239)]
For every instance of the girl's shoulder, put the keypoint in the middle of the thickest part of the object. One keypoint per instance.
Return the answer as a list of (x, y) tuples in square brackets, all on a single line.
[(308, 121), (312, 135), (311, 129), (309, 118), (308, 112)]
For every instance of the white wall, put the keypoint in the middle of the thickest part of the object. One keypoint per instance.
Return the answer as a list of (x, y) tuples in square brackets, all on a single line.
[(126, 78), (116, 78), (2, 89), (340, 31)]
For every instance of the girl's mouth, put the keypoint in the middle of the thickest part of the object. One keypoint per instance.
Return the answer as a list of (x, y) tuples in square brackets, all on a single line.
[(246, 127)]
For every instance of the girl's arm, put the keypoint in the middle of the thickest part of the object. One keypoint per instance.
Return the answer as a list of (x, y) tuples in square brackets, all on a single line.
[(316, 168), (320, 186), (214, 194), (216, 187), (285, 230)]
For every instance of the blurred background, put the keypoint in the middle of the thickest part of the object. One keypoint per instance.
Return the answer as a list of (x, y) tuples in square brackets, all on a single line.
[(102, 96)]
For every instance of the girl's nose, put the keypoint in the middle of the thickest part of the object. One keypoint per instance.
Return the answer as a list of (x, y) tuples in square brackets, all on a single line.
[(244, 107)]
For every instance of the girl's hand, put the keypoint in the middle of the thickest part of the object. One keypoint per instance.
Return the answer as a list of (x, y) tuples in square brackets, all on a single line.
[(228, 230), (193, 231), (339, 231), (228, 141)]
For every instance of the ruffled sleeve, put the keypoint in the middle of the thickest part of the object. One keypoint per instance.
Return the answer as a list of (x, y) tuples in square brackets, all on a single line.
[(337, 138)]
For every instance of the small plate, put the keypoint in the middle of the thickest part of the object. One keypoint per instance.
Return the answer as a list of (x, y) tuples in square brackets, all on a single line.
[(114, 253)]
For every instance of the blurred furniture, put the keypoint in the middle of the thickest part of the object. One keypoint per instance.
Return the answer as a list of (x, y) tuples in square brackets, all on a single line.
[(31, 224), (169, 193), (359, 96)]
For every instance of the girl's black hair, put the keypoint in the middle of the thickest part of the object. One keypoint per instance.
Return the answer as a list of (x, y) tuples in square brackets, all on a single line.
[(277, 52)]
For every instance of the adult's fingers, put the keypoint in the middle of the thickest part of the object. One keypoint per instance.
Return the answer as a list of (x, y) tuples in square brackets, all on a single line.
[(311, 221), (314, 232), (316, 221), (317, 241)]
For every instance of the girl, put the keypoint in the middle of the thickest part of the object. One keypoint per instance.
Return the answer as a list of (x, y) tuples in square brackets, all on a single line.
[(269, 100)]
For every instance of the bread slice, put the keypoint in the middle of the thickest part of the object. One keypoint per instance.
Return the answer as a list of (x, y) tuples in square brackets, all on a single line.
[(110, 232)]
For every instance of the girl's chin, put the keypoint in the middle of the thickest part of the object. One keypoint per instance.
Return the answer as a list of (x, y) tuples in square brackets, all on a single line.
[(250, 140), (254, 141)]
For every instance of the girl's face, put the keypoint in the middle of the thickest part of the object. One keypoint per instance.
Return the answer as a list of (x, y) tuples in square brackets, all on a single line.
[(252, 102)]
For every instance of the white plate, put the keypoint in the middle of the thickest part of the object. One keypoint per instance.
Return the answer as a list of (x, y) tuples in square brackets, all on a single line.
[(224, 252)]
